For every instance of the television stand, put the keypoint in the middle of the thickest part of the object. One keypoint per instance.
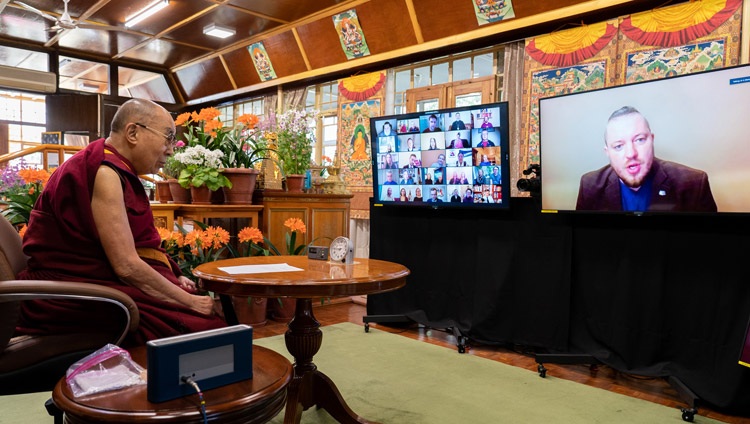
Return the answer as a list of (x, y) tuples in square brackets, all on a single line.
[(683, 392), (460, 338)]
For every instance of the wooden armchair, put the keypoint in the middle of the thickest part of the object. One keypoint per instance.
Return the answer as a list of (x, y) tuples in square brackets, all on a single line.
[(36, 363)]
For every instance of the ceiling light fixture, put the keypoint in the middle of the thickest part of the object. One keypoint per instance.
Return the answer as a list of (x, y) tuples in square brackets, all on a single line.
[(218, 31), (152, 8)]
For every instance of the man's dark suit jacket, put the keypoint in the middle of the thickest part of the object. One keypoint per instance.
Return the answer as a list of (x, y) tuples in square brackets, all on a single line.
[(675, 187)]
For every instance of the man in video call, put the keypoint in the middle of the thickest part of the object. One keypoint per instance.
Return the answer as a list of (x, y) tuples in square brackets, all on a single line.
[(413, 162), (433, 124), (635, 180), (485, 141), (389, 178), (434, 196), (458, 124), (406, 177)]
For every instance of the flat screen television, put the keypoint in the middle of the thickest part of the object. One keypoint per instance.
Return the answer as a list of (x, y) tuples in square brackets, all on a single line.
[(682, 147), (447, 158)]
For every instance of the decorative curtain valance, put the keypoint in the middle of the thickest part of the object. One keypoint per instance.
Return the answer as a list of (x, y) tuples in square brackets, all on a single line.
[(678, 25), (361, 87), (572, 46)]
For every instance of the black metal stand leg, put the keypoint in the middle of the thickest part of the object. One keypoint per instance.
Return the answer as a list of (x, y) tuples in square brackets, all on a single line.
[(367, 319), (230, 316)]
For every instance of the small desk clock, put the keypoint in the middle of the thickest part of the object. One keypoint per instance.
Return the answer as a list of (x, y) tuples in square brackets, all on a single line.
[(342, 250)]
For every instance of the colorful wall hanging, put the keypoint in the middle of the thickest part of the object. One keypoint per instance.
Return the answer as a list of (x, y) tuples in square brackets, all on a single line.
[(563, 62), (362, 87), (489, 11), (350, 34), (355, 153), (678, 40), (262, 62)]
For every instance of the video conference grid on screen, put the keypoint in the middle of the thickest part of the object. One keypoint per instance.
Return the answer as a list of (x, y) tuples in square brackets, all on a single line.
[(455, 157)]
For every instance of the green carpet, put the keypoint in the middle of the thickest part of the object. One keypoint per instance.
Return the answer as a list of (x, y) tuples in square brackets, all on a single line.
[(396, 380)]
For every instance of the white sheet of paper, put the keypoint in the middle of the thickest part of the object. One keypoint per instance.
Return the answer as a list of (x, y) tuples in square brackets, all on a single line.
[(259, 269)]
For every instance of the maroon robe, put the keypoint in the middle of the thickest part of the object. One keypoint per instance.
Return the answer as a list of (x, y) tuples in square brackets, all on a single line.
[(62, 243)]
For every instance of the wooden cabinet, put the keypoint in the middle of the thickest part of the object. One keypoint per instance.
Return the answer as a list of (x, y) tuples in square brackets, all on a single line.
[(325, 215)]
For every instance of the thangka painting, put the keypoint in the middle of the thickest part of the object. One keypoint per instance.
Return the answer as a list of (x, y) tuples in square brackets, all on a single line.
[(262, 62), (354, 142), (489, 11), (350, 34), (566, 62), (718, 28)]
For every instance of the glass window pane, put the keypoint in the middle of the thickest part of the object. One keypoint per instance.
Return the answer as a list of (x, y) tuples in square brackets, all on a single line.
[(425, 105), (440, 73), (84, 75), (33, 110), (310, 98), (422, 77), (32, 133), (143, 85), (462, 69), (483, 65), (403, 81), (471, 99)]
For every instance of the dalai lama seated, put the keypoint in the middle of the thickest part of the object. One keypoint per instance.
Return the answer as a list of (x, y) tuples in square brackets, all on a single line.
[(93, 223)]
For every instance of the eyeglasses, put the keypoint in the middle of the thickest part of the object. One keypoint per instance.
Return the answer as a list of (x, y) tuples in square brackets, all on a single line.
[(170, 138)]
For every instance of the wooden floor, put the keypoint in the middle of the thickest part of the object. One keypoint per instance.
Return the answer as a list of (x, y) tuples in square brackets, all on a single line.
[(651, 389)]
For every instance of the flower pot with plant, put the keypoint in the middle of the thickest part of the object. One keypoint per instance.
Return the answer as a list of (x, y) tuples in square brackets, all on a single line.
[(202, 172), (20, 186), (294, 140), (242, 145), (253, 243)]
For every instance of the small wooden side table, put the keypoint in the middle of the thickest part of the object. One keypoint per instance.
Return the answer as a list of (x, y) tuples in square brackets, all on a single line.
[(257, 400)]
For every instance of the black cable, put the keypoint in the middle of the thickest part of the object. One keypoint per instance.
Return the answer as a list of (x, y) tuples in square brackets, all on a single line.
[(190, 381)]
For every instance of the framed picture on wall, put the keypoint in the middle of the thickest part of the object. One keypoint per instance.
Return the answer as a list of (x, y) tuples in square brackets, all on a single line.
[(51, 137)]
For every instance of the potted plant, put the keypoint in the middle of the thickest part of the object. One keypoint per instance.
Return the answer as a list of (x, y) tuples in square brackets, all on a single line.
[(242, 145), (294, 142), (253, 243), (20, 186), (202, 172)]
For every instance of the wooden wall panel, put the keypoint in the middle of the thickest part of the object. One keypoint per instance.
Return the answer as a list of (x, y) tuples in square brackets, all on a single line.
[(204, 79), (321, 43), (241, 66), (285, 54), (445, 19), (73, 112), (386, 25)]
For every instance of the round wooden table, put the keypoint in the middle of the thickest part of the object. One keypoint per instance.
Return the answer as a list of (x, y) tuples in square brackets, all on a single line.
[(256, 400), (314, 279)]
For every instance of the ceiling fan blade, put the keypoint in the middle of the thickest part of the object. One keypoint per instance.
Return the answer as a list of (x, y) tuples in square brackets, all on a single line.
[(37, 11)]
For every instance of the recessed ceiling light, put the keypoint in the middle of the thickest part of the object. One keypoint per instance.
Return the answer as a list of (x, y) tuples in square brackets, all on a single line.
[(218, 31)]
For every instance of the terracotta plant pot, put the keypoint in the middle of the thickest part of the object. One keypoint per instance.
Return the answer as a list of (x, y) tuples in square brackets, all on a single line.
[(163, 192), (243, 185), (282, 309), (201, 195), (179, 194), (295, 182), (250, 310)]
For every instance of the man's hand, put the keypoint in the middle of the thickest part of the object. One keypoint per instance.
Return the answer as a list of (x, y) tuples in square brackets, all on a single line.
[(203, 304), (187, 284)]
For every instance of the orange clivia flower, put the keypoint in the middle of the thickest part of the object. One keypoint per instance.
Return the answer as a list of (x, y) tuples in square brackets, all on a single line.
[(164, 234), (34, 175), (193, 238), (216, 237), (208, 114), (32, 189), (251, 234), (249, 120), (210, 127), (22, 231), (295, 224), (182, 118)]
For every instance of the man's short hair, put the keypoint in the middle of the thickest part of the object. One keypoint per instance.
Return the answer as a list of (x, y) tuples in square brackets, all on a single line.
[(624, 111)]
